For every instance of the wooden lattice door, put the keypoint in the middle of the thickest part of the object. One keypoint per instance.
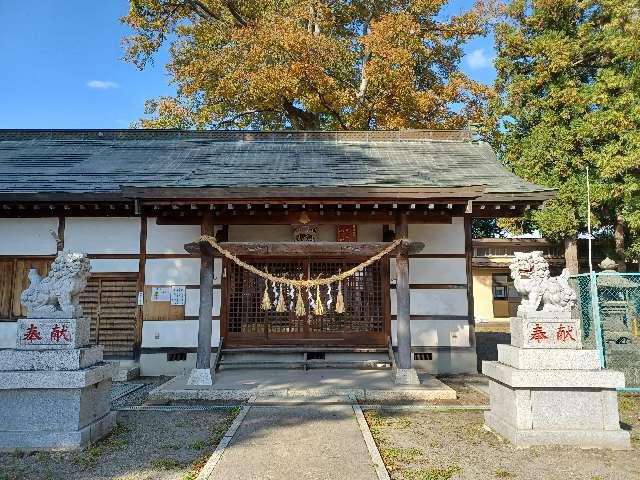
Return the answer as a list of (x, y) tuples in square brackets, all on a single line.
[(366, 320), (110, 303)]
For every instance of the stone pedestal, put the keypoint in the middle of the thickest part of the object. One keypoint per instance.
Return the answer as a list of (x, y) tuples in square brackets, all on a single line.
[(545, 390), (54, 387)]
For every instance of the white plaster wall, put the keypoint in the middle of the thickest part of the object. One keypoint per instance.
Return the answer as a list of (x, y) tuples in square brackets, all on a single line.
[(369, 232), (102, 234), (8, 334), (436, 333), (169, 238), (27, 236), (175, 333), (433, 270), (172, 271), (440, 237), (435, 302), (99, 265), (178, 271), (192, 302)]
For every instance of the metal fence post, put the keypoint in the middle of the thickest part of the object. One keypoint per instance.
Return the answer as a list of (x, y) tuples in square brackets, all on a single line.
[(595, 307)]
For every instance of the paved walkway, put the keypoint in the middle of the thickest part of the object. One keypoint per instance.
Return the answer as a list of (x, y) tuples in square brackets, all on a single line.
[(314, 442)]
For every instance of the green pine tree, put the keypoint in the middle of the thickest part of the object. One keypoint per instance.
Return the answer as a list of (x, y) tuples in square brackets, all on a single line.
[(568, 77)]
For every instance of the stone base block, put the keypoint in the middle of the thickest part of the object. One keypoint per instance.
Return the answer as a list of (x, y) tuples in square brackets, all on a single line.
[(406, 376), (611, 439), (546, 331), (200, 377), (580, 415), (557, 359), (26, 441), (42, 410), (560, 379), (52, 333), (47, 360), (55, 379)]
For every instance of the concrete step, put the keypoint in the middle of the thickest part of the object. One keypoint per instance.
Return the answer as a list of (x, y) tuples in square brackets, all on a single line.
[(356, 364), (125, 372), (284, 349)]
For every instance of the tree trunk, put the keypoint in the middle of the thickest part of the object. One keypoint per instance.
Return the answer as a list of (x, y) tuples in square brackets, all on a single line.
[(618, 236), (571, 254)]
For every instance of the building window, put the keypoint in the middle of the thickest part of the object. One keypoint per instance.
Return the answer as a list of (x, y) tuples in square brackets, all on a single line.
[(500, 287)]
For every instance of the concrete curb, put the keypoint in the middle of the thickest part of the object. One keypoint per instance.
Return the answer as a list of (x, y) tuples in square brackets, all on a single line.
[(374, 453), (207, 470)]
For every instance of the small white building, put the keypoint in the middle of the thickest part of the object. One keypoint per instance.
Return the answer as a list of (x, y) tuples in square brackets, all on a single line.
[(132, 199)]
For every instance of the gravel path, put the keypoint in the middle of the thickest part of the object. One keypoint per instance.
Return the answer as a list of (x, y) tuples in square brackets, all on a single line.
[(145, 445), (453, 445)]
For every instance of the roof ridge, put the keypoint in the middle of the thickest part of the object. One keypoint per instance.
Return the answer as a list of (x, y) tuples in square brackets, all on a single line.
[(463, 135)]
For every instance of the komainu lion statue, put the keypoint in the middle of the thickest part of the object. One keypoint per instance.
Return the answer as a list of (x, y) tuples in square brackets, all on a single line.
[(57, 294), (540, 291)]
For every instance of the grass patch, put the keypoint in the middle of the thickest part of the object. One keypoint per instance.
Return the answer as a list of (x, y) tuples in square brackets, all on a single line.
[(504, 474), (195, 468), (435, 474), (165, 464), (171, 446), (405, 455), (626, 404), (378, 419), (117, 440), (197, 445)]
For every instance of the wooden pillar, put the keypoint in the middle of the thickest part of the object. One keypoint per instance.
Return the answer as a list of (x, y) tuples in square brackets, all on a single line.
[(142, 266), (203, 359), (201, 374), (468, 247), (403, 297)]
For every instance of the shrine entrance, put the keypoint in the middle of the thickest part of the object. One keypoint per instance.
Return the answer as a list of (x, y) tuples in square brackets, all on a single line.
[(366, 321)]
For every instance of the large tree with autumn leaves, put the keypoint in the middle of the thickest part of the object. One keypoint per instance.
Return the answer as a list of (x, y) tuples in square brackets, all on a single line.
[(308, 64)]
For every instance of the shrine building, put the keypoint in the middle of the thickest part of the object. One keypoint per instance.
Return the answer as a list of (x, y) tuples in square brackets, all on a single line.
[(301, 205)]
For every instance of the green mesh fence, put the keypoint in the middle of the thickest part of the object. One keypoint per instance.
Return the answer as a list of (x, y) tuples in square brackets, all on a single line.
[(609, 306)]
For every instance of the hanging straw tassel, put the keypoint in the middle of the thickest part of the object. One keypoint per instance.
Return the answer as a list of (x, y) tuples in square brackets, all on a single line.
[(319, 310), (339, 299), (301, 311), (281, 307), (266, 299)]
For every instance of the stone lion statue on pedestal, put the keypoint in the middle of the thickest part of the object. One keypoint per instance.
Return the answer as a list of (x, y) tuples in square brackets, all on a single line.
[(57, 294), (540, 291)]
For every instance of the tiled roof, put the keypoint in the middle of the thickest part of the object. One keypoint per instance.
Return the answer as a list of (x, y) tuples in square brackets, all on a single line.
[(81, 161)]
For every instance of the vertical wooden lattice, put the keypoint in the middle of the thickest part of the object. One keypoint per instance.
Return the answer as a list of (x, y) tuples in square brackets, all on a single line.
[(363, 322)]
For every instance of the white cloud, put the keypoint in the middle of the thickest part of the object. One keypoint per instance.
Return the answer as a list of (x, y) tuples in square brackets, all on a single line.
[(101, 84), (478, 59)]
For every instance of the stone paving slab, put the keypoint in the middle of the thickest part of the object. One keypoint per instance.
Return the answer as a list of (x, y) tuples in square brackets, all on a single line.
[(315, 442), (365, 385)]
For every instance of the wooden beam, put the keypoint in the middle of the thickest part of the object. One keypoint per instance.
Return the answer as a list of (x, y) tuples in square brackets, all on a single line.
[(333, 249), (326, 217)]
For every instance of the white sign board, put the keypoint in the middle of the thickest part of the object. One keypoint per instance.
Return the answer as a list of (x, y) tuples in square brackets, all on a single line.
[(161, 294), (178, 294)]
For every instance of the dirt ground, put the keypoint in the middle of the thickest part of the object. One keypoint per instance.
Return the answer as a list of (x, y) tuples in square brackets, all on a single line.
[(145, 445), (453, 445)]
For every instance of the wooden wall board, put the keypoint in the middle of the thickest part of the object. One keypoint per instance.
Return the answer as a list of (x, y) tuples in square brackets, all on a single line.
[(160, 310)]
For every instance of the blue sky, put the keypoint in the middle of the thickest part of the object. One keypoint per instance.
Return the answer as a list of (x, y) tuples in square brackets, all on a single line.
[(61, 66)]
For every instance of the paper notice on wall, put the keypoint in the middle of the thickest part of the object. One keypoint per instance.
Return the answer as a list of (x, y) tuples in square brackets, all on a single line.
[(178, 294), (160, 294), (140, 299)]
